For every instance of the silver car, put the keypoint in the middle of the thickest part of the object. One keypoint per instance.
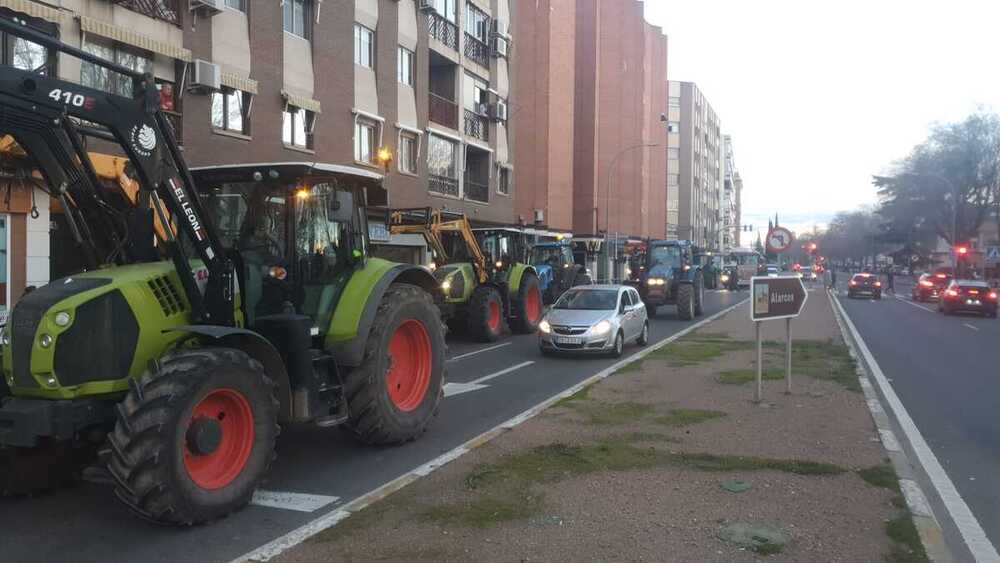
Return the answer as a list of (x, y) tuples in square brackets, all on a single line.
[(595, 319)]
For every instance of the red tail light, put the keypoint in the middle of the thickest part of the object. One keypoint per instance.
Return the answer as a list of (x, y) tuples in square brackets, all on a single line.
[(941, 275), (993, 295), (951, 293), (852, 282), (926, 283), (973, 292), (878, 284)]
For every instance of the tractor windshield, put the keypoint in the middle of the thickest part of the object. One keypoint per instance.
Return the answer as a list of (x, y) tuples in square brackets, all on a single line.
[(745, 259), (664, 256), (552, 255), (249, 215)]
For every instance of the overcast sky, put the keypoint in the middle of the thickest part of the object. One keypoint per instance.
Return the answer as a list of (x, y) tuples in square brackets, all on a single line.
[(818, 96)]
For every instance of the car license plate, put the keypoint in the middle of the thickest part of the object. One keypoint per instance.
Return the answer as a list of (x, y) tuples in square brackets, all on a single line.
[(972, 302), (568, 340)]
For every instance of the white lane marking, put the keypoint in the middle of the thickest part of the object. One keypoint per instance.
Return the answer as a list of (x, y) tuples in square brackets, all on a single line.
[(915, 498), (298, 502), (293, 538), (474, 352), (968, 526), (457, 388), (970, 326), (910, 302)]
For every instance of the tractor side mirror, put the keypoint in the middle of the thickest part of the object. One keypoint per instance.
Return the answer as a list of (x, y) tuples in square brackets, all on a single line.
[(341, 207)]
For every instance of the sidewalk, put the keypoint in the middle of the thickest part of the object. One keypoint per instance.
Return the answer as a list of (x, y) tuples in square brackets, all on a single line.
[(667, 460)]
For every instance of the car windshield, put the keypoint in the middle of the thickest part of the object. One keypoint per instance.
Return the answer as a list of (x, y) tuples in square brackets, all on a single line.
[(588, 300), (664, 256)]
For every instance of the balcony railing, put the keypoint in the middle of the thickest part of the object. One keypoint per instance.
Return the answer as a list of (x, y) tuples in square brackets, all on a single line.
[(442, 29), (477, 126), (442, 184), (477, 191), (442, 110), (166, 10), (477, 50)]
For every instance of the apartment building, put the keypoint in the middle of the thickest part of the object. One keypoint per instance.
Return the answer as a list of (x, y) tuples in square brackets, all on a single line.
[(732, 184), (597, 75), (695, 164), (297, 80)]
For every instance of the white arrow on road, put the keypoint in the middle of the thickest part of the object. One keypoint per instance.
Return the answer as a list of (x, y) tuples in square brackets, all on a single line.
[(451, 389)]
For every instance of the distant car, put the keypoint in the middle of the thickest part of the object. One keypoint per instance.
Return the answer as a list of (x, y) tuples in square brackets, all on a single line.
[(773, 270), (594, 319), (864, 284), (973, 296), (930, 286)]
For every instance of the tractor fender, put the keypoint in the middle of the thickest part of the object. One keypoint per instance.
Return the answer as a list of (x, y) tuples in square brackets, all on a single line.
[(517, 272), (257, 347), (355, 312)]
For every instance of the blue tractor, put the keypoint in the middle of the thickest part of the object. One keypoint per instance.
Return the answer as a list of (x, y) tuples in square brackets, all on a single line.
[(557, 270), (665, 273)]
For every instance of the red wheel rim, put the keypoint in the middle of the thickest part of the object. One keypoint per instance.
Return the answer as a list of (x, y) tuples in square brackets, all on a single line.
[(409, 373), (533, 304), (494, 320), (230, 409)]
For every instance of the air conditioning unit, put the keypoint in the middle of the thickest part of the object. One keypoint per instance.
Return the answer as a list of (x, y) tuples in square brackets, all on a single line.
[(206, 75), (539, 216), (498, 29), (498, 111), (212, 7), (501, 46), (425, 5)]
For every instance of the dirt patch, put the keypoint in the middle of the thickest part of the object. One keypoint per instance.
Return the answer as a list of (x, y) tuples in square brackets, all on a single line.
[(634, 466)]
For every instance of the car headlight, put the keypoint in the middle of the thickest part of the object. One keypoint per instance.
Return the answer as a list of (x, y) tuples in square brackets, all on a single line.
[(724, 278), (544, 326), (601, 328)]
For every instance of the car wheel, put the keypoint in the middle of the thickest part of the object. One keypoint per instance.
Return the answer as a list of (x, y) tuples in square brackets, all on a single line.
[(644, 335), (619, 348)]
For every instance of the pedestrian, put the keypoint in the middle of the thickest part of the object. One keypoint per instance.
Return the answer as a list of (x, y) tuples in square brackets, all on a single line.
[(828, 279), (833, 278), (891, 278)]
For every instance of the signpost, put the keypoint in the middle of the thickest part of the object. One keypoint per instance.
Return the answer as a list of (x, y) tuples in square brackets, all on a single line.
[(775, 298)]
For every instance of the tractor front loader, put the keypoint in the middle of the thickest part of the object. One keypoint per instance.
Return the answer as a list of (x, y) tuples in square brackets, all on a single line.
[(178, 351), (480, 297)]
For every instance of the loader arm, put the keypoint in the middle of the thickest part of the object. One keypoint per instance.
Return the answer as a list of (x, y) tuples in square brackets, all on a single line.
[(431, 223), (43, 114)]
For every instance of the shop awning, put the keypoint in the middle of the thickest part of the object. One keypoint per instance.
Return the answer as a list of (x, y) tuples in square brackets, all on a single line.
[(129, 37), (307, 104), (237, 82), (34, 9)]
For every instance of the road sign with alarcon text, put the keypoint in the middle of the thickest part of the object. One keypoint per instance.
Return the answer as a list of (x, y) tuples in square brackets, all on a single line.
[(780, 297)]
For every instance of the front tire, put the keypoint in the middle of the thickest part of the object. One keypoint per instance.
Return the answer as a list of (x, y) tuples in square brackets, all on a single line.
[(396, 391), (619, 348), (685, 301), (644, 335), (486, 316), (528, 305), (194, 437)]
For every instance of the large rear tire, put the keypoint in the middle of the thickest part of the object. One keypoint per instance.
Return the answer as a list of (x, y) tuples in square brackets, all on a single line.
[(396, 391), (527, 305), (685, 301), (485, 314), (195, 436)]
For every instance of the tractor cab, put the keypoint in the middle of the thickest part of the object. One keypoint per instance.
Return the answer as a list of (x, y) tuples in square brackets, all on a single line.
[(295, 231), (665, 273), (557, 268)]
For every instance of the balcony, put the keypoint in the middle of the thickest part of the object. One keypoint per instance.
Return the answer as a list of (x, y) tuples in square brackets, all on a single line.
[(477, 191), (442, 185), (165, 10), (443, 30), (476, 50), (442, 110), (476, 126)]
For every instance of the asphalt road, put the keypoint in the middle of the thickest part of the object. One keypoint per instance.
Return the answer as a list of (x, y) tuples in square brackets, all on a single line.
[(85, 524), (945, 371)]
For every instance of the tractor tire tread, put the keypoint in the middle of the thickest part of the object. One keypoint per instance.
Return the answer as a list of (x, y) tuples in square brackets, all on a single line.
[(520, 323), (685, 301)]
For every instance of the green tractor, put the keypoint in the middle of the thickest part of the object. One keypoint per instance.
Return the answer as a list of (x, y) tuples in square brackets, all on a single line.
[(175, 362), (484, 293), (508, 250)]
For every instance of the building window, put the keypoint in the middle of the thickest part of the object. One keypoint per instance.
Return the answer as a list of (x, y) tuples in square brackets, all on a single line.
[(447, 8), (503, 181), (364, 46), (297, 126), (674, 102), (230, 111), (477, 23), (674, 127), (296, 17), (237, 5), (104, 79), (404, 65), (442, 165), (476, 95), (365, 140), (407, 153), (673, 179), (673, 153)]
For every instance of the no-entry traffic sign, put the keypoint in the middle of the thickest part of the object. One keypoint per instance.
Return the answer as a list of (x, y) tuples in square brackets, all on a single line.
[(779, 239), (776, 298)]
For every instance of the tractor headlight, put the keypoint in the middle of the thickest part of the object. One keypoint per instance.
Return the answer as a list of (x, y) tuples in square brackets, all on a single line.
[(45, 340), (446, 285), (655, 281), (499, 264), (724, 278), (601, 328), (544, 326), (4, 339), (62, 318)]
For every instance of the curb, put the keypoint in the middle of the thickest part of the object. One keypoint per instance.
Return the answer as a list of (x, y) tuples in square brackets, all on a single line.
[(928, 527), (293, 538)]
